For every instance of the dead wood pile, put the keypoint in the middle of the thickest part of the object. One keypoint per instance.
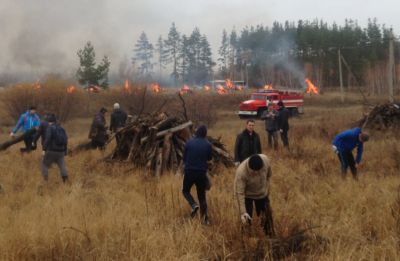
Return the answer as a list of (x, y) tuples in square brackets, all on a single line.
[(382, 117), (157, 142)]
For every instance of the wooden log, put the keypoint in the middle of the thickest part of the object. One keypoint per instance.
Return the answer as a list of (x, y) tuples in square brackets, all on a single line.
[(172, 130), (166, 150), (135, 145), (159, 169), (221, 152), (173, 157), (17, 139)]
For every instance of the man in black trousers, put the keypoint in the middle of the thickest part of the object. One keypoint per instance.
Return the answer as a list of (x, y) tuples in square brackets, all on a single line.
[(283, 123), (195, 157)]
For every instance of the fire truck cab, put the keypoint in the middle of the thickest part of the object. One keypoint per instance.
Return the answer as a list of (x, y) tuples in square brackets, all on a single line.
[(259, 101)]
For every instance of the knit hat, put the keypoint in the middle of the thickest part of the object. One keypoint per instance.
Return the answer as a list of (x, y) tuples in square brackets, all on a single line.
[(116, 106), (201, 131), (255, 162), (364, 137), (51, 117)]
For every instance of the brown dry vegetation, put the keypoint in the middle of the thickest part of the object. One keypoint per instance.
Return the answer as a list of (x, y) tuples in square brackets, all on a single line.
[(111, 212)]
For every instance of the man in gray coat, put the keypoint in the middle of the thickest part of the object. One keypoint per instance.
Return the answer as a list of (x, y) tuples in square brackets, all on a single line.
[(271, 126)]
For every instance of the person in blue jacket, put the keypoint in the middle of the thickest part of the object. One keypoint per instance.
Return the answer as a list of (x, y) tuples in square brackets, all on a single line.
[(196, 155), (29, 122), (343, 145)]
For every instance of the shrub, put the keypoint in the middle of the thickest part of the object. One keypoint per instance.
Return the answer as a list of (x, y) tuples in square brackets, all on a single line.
[(49, 96)]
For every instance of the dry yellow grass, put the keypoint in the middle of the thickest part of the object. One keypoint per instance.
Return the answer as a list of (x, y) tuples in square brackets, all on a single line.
[(111, 212)]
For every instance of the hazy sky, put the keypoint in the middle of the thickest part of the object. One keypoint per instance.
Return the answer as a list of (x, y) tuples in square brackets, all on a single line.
[(45, 34)]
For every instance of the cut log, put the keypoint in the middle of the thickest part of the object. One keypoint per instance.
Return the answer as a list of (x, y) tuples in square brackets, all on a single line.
[(17, 139), (172, 130)]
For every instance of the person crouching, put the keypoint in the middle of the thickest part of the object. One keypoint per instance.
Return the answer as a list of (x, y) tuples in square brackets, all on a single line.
[(252, 188)]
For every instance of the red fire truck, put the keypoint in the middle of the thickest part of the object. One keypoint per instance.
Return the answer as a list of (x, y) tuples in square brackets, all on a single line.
[(253, 108)]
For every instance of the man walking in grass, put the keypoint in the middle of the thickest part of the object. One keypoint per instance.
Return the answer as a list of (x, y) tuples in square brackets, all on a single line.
[(252, 188), (54, 148), (343, 145), (196, 154)]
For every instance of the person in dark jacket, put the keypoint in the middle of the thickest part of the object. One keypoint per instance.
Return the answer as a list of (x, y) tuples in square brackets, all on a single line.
[(117, 121), (247, 143), (196, 154), (118, 118), (343, 145), (41, 132), (53, 150), (98, 130), (283, 123), (29, 122), (271, 126)]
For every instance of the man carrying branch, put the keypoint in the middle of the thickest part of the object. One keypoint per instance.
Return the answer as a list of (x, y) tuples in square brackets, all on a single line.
[(252, 187), (29, 122)]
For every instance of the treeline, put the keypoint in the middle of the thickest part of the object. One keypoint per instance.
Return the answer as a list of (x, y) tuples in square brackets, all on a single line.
[(189, 57), (282, 54)]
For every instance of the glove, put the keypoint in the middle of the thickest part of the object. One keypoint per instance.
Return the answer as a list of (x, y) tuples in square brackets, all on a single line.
[(245, 218), (237, 163), (334, 148)]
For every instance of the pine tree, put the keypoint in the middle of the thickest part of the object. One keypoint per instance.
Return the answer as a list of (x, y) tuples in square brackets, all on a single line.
[(223, 52), (143, 55), (173, 44), (162, 54), (183, 56), (88, 74)]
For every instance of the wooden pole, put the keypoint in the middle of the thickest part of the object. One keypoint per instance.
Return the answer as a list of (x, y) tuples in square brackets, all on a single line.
[(391, 67), (341, 77)]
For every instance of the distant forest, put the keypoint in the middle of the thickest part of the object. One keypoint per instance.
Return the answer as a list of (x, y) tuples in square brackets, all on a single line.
[(282, 54)]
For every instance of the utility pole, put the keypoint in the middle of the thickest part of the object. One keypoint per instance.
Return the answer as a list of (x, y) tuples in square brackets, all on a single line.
[(391, 66), (341, 76)]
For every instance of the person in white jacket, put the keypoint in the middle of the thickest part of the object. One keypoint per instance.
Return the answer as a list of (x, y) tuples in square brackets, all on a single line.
[(252, 188)]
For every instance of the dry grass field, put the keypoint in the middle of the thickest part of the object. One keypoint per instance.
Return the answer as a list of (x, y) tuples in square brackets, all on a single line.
[(114, 212)]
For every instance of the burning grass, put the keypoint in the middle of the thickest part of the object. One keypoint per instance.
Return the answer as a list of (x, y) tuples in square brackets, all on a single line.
[(114, 212)]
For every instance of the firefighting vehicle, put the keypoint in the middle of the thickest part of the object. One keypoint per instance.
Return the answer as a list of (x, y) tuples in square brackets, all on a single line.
[(259, 101)]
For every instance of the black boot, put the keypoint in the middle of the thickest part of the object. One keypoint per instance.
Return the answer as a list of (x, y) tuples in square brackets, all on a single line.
[(65, 178)]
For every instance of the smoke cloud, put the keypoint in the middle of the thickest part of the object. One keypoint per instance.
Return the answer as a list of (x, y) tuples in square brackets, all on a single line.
[(42, 36)]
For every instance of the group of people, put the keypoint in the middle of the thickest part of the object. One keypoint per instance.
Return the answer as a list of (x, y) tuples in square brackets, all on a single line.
[(253, 169), (54, 139)]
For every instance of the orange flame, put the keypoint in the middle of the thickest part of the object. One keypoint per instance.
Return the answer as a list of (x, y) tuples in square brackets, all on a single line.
[(207, 88), (155, 87), (36, 85), (311, 88), (268, 87), (127, 87), (220, 89), (229, 84), (71, 89)]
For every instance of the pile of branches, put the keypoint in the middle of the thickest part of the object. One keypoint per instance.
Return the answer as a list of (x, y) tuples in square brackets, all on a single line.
[(382, 117), (157, 142)]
